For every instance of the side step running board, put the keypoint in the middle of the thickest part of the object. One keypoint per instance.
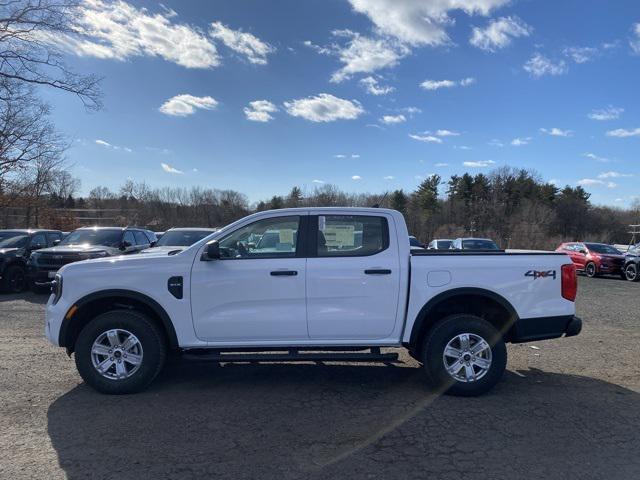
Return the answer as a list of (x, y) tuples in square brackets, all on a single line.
[(293, 355)]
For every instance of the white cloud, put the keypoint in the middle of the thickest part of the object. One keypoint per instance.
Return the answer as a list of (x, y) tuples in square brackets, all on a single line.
[(419, 22), (581, 54), (447, 133), (592, 182), (556, 132), (355, 155), (595, 157), (609, 113), (106, 144), (260, 111), (185, 104), (461, 147), (634, 41), (520, 141), (246, 44), (317, 181), (425, 138), (411, 110), (117, 30), (612, 174), (365, 55), (356, 177), (622, 133), (324, 108), (479, 164), (495, 143), (389, 177), (373, 87), (393, 119), (169, 169), (499, 33), (438, 84), (441, 165), (539, 65), (340, 155)]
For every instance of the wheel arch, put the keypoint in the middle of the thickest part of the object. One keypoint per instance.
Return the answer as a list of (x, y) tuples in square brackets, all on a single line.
[(471, 300), (86, 308)]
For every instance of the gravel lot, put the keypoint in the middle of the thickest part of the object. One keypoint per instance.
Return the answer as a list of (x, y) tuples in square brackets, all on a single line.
[(570, 409)]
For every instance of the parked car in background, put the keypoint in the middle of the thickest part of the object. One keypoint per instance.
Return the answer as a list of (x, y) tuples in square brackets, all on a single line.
[(631, 266), (83, 244), (440, 244), (594, 258), (15, 248), (477, 244), (414, 243), (177, 238)]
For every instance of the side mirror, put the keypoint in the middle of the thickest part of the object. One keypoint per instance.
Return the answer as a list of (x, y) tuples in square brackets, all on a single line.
[(56, 242), (36, 246), (153, 244), (211, 251), (124, 245)]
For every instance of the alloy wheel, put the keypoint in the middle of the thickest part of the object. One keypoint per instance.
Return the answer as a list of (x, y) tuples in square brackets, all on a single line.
[(116, 354), (467, 357)]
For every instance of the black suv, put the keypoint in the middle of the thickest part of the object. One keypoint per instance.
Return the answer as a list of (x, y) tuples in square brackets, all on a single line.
[(83, 244), (632, 264), (15, 248)]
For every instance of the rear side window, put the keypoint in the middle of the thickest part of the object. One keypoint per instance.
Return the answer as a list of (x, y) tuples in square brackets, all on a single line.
[(129, 238), (53, 236), (141, 238), (351, 236)]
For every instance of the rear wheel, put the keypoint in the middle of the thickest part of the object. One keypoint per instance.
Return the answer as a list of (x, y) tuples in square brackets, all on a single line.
[(590, 270), (14, 279), (120, 351), (631, 272), (464, 355)]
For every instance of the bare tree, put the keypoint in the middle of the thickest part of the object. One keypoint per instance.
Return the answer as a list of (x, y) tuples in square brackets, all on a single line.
[(29, 32)]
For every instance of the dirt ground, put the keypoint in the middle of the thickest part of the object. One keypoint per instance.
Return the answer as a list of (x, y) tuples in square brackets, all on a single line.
[(569, 408)]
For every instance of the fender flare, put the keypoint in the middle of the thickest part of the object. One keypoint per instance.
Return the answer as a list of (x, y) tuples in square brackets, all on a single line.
[(433, 302), (153, 305)]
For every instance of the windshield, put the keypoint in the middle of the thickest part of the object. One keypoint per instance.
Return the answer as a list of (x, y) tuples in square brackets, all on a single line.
[(13, 240), (444, 244), (107, 238), (478, 244), (602, 248), (182, 238)]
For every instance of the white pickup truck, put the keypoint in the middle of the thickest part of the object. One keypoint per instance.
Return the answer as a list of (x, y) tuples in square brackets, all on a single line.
[(311, 284)]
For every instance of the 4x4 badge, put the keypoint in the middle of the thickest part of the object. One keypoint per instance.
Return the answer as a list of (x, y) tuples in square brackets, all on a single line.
[(541, 274)]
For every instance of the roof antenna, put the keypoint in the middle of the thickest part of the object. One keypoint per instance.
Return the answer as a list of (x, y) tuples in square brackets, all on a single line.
[(377, 204)]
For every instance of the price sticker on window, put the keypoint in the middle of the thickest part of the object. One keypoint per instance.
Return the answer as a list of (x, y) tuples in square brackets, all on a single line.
[(286, 236), (339, 235)]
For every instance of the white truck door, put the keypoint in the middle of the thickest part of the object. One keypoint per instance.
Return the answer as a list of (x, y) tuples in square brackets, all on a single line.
[(256, 291), (353, 277)]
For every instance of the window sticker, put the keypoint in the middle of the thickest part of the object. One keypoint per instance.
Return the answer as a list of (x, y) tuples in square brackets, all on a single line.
[(339, 235), (286, 236)]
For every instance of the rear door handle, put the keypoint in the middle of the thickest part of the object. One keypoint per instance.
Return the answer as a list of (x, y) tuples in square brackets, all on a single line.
[(284, 273), (377, 271)]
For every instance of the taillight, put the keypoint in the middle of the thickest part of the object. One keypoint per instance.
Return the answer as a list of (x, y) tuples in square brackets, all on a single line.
[(569, 282)]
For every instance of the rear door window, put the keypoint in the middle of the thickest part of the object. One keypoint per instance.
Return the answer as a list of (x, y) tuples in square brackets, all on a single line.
[(141, 238), (351, 235)]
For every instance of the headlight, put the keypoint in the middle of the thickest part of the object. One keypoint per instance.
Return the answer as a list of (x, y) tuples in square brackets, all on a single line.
[(89, 255), (56, 288)]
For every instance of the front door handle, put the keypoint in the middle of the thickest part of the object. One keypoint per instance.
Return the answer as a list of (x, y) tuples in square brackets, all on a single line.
[(377, 271), (284, 273)]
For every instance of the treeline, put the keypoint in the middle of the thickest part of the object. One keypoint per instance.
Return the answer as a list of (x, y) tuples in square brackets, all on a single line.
[(514, 207)]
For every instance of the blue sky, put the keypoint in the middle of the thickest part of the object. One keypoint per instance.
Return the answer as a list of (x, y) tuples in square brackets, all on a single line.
[(369, 95)]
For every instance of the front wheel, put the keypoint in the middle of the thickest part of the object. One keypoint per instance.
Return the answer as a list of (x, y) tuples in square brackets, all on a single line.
[(464, 355), (590, 270), (120, 351), (631, 272), (14, 279)]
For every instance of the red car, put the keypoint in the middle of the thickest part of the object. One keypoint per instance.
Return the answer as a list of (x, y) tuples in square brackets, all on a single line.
[(594, 258)]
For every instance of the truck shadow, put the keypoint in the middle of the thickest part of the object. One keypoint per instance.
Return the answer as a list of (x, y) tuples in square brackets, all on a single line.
[(343, 421), (27, 296)]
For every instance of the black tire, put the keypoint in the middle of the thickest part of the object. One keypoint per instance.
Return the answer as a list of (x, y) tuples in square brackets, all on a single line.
[(631, 272), (433, 350), (590, 270), (14, 279), (151, 339)]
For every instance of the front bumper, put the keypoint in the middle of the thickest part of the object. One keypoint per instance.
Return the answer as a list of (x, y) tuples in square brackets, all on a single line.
[(544, 328), (40, 276), (54, 316)]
